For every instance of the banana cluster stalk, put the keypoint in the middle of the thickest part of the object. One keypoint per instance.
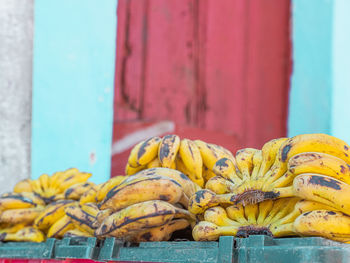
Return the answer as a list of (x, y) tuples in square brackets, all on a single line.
[(193, 158)]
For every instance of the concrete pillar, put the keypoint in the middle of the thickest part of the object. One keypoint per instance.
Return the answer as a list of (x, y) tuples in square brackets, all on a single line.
[(16, 45)]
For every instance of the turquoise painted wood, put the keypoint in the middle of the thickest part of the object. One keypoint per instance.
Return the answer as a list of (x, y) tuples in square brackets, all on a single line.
[(341, 73), (311, 87), (73, 78)]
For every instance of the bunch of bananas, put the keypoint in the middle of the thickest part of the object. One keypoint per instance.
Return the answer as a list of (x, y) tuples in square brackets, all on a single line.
[(34, 210), (313, 168), (193, 158), (147, 206)]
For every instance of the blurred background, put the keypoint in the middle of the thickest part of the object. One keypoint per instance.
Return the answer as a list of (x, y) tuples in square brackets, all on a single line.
[(82, 81)]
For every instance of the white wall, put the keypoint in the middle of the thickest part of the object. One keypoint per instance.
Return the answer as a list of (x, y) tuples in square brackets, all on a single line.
[(16, 44)]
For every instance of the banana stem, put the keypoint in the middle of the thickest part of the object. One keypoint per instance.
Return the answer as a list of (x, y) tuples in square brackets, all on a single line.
[(285, 191)]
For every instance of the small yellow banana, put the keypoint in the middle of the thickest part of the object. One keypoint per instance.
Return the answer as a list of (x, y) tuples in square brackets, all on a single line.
[(168, 148)]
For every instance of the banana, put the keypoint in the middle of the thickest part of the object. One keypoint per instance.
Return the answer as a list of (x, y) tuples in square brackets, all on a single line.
[(75, 191), (320, 163), (154, 163), (188, 186), (160, 233), (236, 213), (132, 160), (301, 207), (26, 234), (206, 231), (90, 196), (192, 159), (148, 151), (211, 153), (207, 174), (139, 216), (36, 186), (151, 188), (244, 160), (264, 210), (9, 228), (74, 178), (218, 216), (324, 223), (82, 217), (257, 162), (251, 212), (269, 153), (23, 186), (321, 188), (107, 186), (131, 170), (226, 168), (101, 216), (322, 143), (20, 215), (51, 214), (16, 201), (44, 181), (220, 185), (168, 148), (60, 227)]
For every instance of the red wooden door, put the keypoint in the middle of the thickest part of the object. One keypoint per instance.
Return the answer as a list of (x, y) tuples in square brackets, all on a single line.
[(219, 70)]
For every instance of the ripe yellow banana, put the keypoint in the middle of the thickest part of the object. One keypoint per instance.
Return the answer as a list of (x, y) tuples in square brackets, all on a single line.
[(192, 159), (320, 188), (75, 191), (211, 153), (160, 233), (244, 160), (236, 213), (101, 216), (20, 215), (226, 168), (14, 201), (188, 186), (269, 153), (51, 214), (23, 186), (324, 223), (107, 186), (220, 185), (90, 196), (74, 178), (320, 163), (257, 162), (132, 160), (60, 227), (131, 170), (322, 143), (218, 216), (168, 148), (44, 181), (207, 173), (138, 217), (154, 163), (83, 217), (148, 151), (151, 188), (206, 231), (26, 234)]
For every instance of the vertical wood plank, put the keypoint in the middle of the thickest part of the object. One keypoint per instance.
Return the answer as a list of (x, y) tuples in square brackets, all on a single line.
[(170, 74), (131, 49)]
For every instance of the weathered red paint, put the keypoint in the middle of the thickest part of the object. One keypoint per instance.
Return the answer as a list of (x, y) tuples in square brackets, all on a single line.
[(221, 67)]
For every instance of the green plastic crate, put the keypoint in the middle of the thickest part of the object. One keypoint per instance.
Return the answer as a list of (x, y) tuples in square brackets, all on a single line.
[(184, 251), (76, 248), (27, 250), (289, 250)]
